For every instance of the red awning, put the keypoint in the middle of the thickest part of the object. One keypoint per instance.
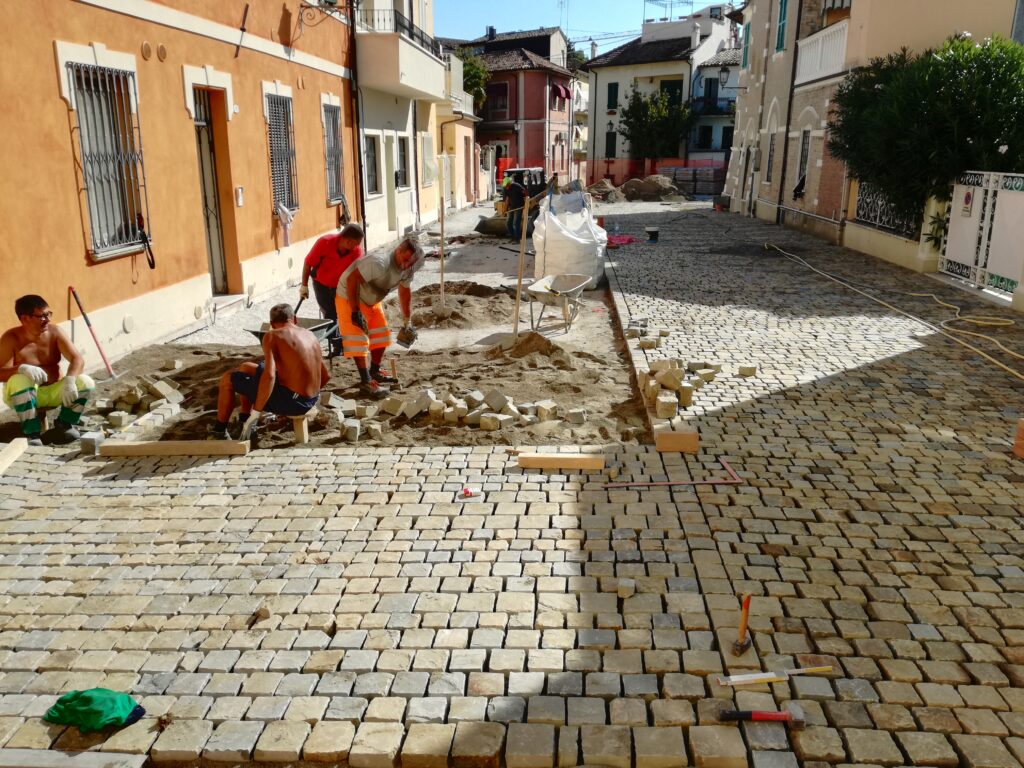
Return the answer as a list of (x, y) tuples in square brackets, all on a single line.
[(563, 92)]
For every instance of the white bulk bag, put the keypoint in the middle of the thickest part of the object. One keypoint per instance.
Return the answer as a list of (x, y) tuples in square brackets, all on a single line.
[(567, 240)]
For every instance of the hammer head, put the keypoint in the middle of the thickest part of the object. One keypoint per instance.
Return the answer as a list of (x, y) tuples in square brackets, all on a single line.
[(407, 337), (739, 647), (797, 719)]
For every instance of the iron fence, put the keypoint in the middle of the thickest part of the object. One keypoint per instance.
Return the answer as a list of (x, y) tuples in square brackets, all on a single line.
[(875, 210), (393, 21)]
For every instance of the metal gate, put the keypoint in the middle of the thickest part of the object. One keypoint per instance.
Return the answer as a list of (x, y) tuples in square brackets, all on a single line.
[(986, 227), (208, 191)]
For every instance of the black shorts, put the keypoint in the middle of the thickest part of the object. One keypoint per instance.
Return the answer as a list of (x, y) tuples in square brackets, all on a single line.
[(282, 400)]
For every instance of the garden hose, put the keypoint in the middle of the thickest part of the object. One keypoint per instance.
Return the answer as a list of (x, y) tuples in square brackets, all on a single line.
[(942, 328)]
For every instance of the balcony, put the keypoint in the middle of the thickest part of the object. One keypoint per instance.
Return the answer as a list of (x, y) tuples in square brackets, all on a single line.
[(457, 98), (713, 106), (823, 54), (395, 56)]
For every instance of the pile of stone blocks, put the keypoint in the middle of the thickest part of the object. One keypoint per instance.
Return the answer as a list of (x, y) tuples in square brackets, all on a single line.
[(492, 411), (147, 394)]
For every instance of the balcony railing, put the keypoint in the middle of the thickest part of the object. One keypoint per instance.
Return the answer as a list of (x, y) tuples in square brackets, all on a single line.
[(393, 21), (717, 106), (822, 54)]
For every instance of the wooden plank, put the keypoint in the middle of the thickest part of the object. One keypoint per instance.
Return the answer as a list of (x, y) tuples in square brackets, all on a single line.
[(687, 441), (10, 452), (176, 448), (561, 461)]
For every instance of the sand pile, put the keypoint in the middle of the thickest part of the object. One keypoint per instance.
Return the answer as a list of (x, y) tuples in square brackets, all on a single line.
[(466, 305)]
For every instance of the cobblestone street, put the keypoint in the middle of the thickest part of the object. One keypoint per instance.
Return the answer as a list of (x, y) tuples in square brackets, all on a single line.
[(326, 605)]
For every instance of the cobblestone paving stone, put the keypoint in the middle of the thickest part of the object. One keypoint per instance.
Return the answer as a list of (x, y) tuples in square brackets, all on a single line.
[(315, 605)]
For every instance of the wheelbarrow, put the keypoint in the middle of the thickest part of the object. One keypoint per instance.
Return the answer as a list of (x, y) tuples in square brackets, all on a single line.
[(320, 327), (561, 291)]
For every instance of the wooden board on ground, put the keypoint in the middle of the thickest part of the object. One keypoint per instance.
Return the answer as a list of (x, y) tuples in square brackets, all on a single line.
[(10, 452), (176, 448), (561, 461)]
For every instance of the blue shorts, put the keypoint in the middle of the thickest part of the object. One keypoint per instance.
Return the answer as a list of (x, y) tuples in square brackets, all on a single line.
[(282, 400)]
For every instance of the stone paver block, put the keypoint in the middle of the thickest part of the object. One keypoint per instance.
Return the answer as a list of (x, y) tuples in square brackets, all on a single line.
[(427, 745), (530, 745), (717, 746), (659, 747), (478, 745), (608, 745), (329, 742), (376, 745), (232, 741), (281, 741), (181, 741)]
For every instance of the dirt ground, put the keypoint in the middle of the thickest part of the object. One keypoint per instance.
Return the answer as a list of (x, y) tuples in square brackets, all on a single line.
[(463, 352)]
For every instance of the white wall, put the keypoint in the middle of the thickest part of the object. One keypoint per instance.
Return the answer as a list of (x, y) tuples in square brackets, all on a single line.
[(386, 115)]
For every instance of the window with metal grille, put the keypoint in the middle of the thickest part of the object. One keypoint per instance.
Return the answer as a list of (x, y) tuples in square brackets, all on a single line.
[(780, 30), (372, 177), (332, 152), (429, 169), (746, 45), (110, 138), (402, 175), (805, 148), (281, 135), (771, 158)]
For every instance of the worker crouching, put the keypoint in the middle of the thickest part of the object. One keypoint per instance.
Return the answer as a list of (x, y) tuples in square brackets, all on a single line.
[(364, 328)]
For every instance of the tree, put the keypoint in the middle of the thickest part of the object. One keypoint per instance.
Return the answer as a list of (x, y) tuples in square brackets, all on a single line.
[(653, 126), (909, 125), (574, 59), (474, 75)]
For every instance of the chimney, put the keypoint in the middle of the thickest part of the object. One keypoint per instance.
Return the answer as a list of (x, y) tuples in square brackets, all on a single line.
[(593, 50), (491, 33)]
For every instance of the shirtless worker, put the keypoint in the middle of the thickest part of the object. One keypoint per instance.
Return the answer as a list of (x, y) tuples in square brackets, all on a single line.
[(287, 382), (361, 289), (327, 259), (30, 356)]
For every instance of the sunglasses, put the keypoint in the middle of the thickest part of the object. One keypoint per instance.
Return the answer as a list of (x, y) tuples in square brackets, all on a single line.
[(43, 316)]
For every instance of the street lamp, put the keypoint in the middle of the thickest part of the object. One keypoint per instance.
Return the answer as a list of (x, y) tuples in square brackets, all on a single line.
[(723, 76), (611, 126)]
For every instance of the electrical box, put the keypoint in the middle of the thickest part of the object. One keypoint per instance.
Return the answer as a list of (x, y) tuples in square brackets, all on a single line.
[(239, 196)]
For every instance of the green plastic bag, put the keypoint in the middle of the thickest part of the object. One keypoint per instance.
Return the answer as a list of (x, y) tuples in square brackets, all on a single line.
[(92, 710)]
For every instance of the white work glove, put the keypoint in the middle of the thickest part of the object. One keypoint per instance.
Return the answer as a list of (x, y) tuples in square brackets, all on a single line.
[(34, 372), (249, 425), (69, 392), (303, 291)]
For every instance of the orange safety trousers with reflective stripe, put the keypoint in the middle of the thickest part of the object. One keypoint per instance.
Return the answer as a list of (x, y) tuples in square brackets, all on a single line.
[(355, 343)]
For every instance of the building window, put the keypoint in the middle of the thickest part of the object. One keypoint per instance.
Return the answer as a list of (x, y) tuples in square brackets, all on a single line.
[(674, 90), (402, 175), (780, 30), (613, 95), (372, 176), (705, 136), (332, 152), (609, 144), (497, 98), (746, 45), (111, 144), (805, 148), (771, 158), (429, 170), (280, 132), (727, 134)]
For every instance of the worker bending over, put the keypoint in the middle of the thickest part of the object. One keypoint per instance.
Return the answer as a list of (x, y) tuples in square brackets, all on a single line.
[(30, 356), (286, 383), (362, 288)]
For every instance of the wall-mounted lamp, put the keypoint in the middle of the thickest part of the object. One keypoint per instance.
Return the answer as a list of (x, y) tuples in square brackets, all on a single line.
[(611, 126)]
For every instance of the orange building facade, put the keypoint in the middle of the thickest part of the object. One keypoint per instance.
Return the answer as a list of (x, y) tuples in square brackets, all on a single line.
[(224, 132)]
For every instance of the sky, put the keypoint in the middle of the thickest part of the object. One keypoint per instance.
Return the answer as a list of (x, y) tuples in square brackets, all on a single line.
[(579, 19)]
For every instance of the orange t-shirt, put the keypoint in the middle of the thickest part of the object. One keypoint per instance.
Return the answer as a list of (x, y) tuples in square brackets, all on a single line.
[(328, 262)]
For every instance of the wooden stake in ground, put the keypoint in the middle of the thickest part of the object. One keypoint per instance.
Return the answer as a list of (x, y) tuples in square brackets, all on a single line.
[(522, 266), (440, 249), (176, 448)]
